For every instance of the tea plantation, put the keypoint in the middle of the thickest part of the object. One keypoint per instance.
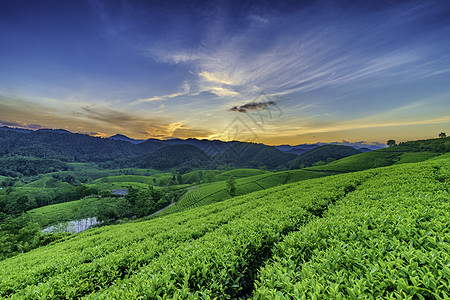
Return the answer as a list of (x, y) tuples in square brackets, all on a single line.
[(380, 233)]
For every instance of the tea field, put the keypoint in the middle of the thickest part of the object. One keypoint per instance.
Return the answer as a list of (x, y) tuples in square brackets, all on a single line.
[(380, 233)]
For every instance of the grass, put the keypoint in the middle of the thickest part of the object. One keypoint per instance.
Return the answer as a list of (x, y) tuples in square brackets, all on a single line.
[(217, 191), (375, 159), (63, 212), (240, 173)]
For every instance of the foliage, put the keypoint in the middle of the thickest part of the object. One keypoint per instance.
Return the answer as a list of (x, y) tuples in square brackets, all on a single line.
[(218, 191), (69, 147), (231, 186), (16, 166), (248, 155), (391, 143), (380, 232)]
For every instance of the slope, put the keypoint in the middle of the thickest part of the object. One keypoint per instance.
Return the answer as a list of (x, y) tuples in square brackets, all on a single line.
[(408, 152), (168, 157), (253, 156), (377, 233), (218, 191), (322, 153), (69, 147)]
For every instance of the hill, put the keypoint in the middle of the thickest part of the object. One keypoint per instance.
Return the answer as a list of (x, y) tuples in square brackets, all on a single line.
[(325, 153), (121, 137), (168, 157), (68, 147), (408, 152), (379, 233), (218, 191), (247, 155)]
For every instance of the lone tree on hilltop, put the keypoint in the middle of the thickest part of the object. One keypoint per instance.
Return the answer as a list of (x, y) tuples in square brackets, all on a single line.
[(391, 143), (442, 135)]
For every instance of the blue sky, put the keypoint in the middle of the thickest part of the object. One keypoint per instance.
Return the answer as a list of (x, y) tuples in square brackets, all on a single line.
[(331, 70)]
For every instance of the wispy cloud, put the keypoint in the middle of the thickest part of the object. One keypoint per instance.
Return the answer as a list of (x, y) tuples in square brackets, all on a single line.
[(185, 87), (292, 59), (20, 124)]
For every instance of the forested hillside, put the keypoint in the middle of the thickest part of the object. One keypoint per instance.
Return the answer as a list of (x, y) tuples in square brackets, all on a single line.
[(321, 155), (68, 147)]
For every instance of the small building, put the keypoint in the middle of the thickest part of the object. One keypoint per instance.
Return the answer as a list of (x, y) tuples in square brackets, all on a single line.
[(120, 192)]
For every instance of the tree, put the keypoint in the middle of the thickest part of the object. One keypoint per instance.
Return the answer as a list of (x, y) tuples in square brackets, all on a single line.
[(231, 186), (179, 179), (391, 143), (442, 135)]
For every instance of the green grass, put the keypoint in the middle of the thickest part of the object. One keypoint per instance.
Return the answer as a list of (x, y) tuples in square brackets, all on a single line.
[(92, 173), (413, 157), (126, 178), (82, 166), (375, 159), (217, 191), (57, 213), (240, 173), (381, 233)]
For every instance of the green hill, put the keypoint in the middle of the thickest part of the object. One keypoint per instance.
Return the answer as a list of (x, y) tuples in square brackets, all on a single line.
[(380, 233), (168, 157), (248, 155), (240, 173), (218, 191), (407, 152), (323, 154)]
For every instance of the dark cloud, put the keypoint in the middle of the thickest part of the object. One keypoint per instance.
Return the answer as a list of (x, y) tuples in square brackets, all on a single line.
[(108, 115), (20, 124), (186, 132), (253, 106)]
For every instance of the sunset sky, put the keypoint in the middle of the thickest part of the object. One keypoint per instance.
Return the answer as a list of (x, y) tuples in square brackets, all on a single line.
[(266, 71)]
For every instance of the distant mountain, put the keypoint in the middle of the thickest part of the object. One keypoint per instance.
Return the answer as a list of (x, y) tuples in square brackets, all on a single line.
[(323, 153), (302, 148), (67, 146), (54, 130), (210, 147), (299, 149), (121, 137)]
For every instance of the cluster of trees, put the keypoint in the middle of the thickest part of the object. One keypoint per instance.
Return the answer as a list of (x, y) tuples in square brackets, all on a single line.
[(138, 203), (17, 166), (439, 145), (22, 233)]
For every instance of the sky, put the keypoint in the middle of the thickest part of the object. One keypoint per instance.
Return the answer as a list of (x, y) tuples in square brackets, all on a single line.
[(275, 72)]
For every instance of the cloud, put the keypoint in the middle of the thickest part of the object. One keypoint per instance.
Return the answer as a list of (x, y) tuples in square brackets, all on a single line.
[(323, 50), (187, 132), (185, 87), (222, 92), (20, 125), (252, 106), (108, 115), (218, 77)]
